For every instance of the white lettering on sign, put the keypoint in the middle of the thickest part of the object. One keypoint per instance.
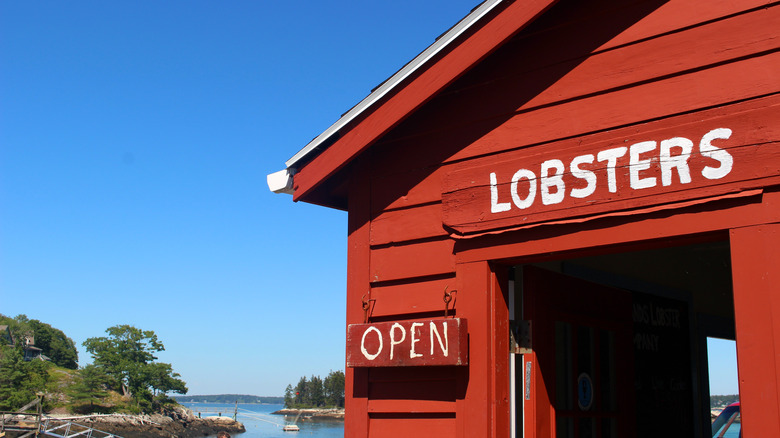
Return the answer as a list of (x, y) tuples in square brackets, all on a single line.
[(672, 155), (495, 206), (415, 339), (363, 344), (445, 346), (430, 342), (399, 330), (393, 340), (708, 150)]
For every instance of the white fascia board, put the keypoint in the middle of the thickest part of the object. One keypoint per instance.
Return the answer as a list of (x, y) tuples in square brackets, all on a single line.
[(420, 60)]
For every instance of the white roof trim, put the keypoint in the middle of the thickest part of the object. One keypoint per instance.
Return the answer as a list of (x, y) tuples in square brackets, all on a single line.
[(420, 60), (280, 182)]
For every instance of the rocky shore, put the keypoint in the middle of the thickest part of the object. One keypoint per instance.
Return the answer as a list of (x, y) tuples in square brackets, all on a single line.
[(181, 423), (313, 414)]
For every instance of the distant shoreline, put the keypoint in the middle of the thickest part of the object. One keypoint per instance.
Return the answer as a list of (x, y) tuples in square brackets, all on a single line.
[(229, 398), (313, 414), (229, 403)]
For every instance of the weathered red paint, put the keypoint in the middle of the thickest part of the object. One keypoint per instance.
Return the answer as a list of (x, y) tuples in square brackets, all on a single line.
[(432, 342)]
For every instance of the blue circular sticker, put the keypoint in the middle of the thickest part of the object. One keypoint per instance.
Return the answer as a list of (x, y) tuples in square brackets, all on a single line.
[(584, 391)]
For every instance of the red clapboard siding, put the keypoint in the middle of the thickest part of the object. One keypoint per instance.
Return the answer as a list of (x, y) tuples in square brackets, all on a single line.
[(716, 86), (467, 197), (493, 88), (743, 35), (676, 14), (438, 390), (413, 374), (404, 187), (415, 260), (454, 120), (407, 224), (412, 405), (509, 82), (412, 297), (411, 426)]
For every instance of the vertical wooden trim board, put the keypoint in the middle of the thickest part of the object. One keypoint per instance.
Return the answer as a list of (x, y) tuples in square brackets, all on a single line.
[(756, 274)]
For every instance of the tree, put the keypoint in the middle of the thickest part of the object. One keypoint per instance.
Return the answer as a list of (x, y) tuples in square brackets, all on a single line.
[(333, 386), (55, 344), (288, 396), (163, 380), (91, 386), (19, 327), (316, 392), (127, 356), (316, 395), (302, 392), (20, 380)]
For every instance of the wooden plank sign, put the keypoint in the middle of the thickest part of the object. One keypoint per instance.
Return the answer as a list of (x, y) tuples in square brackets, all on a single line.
[(569, 179), (430, 342)]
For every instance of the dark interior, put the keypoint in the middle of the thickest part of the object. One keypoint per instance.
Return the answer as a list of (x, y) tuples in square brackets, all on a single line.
[(693, 282)]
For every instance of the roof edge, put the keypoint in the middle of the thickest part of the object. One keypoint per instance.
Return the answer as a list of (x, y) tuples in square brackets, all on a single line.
[(388, 85)]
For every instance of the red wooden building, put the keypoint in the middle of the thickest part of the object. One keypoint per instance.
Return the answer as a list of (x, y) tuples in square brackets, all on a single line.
[(599, 182)]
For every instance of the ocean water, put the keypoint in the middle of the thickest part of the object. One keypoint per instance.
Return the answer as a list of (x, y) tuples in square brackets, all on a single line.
[(260, 423)]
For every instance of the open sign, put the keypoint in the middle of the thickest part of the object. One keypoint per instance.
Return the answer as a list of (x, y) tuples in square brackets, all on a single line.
[(408, 343)]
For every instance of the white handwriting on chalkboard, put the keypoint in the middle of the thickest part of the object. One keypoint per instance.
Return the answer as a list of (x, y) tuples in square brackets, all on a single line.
[(656, 316), (646, 342)]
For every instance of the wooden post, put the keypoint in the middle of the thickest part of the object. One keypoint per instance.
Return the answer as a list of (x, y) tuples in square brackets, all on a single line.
[(755, 258), (358, 283), (485, 409)]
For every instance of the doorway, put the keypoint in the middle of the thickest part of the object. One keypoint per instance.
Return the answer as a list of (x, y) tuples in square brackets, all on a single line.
[(618, 341)]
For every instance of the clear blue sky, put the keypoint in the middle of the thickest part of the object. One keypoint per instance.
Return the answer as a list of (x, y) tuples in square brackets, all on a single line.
[(135, 138)]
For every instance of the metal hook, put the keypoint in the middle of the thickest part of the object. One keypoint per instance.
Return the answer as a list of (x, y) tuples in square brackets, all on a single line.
[(366, 305), (447, 299)]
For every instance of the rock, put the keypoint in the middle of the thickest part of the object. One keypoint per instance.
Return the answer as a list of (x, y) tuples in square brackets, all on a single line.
[(180, 423)]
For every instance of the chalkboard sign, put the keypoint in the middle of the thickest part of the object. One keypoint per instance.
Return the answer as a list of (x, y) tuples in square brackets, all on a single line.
[(663, 366)]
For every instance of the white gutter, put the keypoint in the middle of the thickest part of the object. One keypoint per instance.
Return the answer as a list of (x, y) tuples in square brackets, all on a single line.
[(420, 60)]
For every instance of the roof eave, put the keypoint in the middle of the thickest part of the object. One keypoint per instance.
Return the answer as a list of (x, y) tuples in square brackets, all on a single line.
[(275, 180), (378, 93)]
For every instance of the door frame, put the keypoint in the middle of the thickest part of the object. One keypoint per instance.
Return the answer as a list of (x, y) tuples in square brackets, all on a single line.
[(486, 259)]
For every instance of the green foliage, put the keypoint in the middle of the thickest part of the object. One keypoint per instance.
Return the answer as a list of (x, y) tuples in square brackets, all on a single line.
[(162, 379), (19, 326), (719, 401), (53, 342), (316, 392), (333, 387), (20, 380), (58, 347), (288, 396), (126, 355), (92, 385)]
